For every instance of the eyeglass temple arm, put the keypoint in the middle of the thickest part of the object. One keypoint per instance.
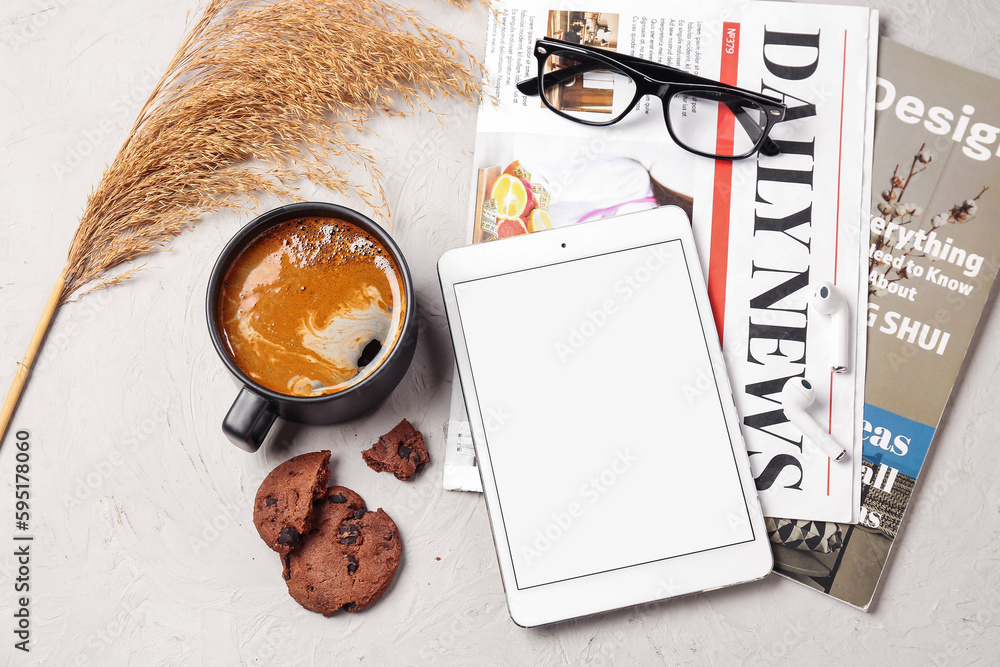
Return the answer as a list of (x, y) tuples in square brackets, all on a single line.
[(556, 77), (640, 64), (530, 87), (767, 146)]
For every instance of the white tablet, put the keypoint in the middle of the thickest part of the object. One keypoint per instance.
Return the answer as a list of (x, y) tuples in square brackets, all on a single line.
[(613, 466)]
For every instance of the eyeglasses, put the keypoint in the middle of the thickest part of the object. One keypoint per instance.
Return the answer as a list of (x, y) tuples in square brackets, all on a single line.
[(597, 87)]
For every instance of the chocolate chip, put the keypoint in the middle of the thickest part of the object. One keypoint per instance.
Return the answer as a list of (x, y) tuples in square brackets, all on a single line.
[(369, 353), (349, 606), (389, 536), (338, 498), (288, 536), (404, 452), (270, 502), (310, 588), (287, 574), (358, 514), (352, 565), (349, 534), (420, 466)]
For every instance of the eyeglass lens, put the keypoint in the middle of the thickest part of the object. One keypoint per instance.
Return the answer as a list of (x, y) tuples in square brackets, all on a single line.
[(593, 91), (586, 89), (716, 123)]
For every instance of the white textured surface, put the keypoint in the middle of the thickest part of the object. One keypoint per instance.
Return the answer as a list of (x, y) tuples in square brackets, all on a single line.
[(144, 549)]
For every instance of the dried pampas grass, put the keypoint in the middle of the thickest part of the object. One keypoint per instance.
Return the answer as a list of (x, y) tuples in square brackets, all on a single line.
[(284, 85)]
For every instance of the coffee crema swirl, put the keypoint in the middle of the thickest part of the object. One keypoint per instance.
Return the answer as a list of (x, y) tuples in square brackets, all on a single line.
[(311, 306)]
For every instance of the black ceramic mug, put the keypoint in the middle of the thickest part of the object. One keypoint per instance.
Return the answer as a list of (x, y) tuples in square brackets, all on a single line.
[(256, 407)]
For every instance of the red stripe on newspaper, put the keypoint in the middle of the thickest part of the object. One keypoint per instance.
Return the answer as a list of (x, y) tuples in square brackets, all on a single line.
[(836, 244), (840, 157), (718, 264), (829, 430)]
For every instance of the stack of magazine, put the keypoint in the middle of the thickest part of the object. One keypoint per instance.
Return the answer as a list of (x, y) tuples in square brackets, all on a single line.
[(769, 228), (932, 261)]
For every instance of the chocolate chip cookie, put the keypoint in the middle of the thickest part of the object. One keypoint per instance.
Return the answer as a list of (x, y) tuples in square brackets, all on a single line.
[(349, 558), (283, 508), (401, 451)]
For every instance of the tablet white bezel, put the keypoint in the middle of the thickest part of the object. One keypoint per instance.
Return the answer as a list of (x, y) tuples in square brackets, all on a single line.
[(635, 584)]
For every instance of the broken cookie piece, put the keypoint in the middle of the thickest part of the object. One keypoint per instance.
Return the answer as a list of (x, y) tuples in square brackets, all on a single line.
[(283, 507), (401, 451)]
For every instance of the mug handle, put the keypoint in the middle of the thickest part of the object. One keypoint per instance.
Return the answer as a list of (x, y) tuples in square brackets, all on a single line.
[(249, 420)]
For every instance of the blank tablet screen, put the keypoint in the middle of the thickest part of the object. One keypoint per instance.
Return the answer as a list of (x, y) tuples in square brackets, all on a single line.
[(604, 424)]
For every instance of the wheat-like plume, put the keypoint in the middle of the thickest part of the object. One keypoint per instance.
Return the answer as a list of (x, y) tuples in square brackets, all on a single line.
[(285, 84)]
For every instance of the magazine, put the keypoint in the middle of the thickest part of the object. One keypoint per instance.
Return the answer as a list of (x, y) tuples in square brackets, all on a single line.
[(932, 261), (768, 228)]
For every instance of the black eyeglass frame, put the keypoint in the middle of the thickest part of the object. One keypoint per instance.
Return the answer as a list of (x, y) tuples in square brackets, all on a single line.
[(662, 81)]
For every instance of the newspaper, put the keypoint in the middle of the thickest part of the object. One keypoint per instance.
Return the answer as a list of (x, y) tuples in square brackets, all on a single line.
[(767, 228), (932, 261)]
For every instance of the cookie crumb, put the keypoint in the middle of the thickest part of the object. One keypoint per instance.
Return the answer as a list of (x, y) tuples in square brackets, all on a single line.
[(401, 451)]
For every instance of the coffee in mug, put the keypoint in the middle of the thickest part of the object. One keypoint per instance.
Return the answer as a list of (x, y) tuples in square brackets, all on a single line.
[(311, 306)]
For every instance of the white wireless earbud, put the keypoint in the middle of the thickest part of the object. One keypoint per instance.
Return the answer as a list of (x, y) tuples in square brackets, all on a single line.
[(829, 301), (796, 396)]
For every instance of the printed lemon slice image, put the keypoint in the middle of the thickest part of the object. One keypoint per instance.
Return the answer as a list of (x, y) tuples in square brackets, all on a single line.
[(510, 227), (539, 220), (513, 197)]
